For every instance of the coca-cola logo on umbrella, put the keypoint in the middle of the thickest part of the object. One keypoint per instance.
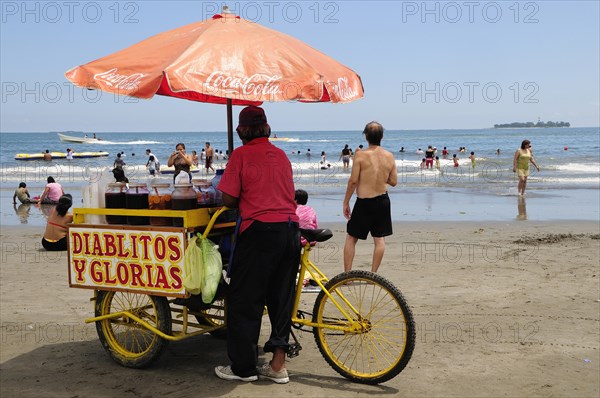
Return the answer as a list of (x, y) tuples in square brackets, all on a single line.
[(343, 90), (123, 82), (255, 86)]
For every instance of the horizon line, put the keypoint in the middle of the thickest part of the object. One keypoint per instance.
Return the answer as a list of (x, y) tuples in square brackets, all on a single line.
[(289, 131)]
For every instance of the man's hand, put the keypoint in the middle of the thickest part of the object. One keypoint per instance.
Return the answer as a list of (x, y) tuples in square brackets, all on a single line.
[(347, 211)]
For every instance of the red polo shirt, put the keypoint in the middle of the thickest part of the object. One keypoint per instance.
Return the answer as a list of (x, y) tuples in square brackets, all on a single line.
[(260, 175)]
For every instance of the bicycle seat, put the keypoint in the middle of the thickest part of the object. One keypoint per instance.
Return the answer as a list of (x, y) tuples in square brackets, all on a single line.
[(316, 235)]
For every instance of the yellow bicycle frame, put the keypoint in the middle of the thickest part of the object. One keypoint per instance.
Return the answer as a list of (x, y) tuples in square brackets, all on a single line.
[(354, 324)]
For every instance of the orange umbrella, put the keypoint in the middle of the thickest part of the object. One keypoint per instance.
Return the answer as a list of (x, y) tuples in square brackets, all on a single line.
[(224, 60)]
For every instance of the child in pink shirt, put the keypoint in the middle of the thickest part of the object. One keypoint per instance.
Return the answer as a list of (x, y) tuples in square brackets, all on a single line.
[(308, 217), (308, 220), (52, 192)]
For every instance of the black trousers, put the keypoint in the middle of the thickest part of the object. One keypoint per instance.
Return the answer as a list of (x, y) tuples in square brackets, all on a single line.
[(265, 264)]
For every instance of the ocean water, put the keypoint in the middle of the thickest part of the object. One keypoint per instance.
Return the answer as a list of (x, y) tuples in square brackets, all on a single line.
[(569, 159)]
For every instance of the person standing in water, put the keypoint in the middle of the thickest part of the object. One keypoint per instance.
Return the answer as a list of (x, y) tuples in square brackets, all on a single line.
[(181, 161), (523, 156)]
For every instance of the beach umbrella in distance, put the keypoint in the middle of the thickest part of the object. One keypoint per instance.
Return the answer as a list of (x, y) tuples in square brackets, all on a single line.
[(224, 60)]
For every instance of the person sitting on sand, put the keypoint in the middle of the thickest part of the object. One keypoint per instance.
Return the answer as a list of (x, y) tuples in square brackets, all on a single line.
[(52, 192), (22, 194), (55, 236)]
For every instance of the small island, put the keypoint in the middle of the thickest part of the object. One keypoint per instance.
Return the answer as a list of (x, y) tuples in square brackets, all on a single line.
[(531, 124)]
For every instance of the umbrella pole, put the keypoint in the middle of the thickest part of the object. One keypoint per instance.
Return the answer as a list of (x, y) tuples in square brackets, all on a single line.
[(229, 126)]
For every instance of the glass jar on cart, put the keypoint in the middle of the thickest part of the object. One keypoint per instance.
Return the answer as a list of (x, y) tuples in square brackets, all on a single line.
[(183, 198), (136, 197), (114, 198), (159, 198)]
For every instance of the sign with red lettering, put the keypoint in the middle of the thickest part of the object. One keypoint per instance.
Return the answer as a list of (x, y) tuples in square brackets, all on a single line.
[(140, 261)]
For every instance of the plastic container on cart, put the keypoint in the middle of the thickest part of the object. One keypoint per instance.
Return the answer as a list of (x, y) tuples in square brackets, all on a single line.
[(183, 198), (114, 198), (160, 199), (136, 197), (205, 192), (215, 183)]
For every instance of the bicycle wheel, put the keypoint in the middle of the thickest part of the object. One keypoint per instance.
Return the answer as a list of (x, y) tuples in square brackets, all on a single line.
[(383, 336), (127, 341)]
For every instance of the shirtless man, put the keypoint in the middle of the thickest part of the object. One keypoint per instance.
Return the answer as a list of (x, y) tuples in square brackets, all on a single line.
[(209, 157), (374, 168)]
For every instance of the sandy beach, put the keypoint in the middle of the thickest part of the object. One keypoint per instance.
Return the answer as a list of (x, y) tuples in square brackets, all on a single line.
[(501, 309)]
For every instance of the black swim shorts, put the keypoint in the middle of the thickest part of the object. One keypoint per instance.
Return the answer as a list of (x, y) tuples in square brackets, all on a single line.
[(371, 215)]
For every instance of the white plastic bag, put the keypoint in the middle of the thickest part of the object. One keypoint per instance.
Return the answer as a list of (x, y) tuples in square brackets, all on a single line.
[(203, 268), (182, 178)]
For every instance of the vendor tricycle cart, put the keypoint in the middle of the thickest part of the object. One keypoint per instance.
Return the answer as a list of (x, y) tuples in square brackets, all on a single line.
[(360, 321)]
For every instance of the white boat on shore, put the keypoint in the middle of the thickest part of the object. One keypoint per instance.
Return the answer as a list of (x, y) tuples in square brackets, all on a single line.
[(74, 139)]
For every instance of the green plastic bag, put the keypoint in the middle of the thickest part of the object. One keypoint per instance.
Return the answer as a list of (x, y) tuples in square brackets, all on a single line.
[(193, 267), (212, 270)]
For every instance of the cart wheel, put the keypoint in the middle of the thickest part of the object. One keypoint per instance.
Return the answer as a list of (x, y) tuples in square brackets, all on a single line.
[(214, 316), (383, 338), (128, 342)]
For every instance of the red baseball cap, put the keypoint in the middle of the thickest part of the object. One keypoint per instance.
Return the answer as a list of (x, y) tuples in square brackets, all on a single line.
[(252, 116)]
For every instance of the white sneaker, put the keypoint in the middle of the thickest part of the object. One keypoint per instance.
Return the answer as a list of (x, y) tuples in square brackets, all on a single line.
[(225, 373), (267, 371)]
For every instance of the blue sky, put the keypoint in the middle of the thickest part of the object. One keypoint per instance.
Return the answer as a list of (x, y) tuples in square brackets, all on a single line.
[(424, 65)]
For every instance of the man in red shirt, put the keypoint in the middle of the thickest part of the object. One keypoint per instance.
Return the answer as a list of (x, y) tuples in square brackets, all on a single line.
[(258, 180)]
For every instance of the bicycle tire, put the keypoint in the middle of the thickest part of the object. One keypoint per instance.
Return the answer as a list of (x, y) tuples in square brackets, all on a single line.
[(383, 342), (126, 341)]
